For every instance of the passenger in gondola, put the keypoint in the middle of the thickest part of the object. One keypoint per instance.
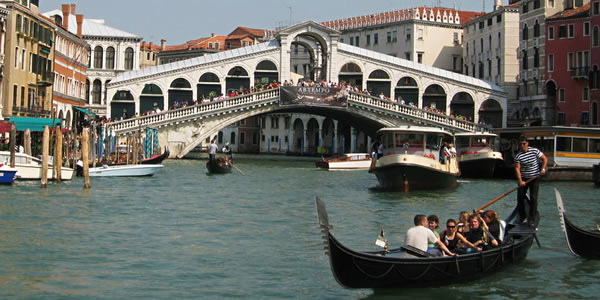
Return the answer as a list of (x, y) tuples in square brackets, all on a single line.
[(449, 236), (477, 239), (227, 151), (420, 235), (463, 222), (495, 226), (434, 222)]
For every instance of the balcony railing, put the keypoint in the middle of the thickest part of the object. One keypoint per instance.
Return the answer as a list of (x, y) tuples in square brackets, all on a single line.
[(45, 79), (580, 72)]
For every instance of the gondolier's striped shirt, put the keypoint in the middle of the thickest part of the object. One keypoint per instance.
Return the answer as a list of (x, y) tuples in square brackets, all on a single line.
[(530, 162)]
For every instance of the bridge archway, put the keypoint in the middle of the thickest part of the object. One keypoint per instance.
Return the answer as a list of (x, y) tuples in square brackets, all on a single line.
[(312, 135), (490, 113), (407, 89), (329, 135), (435, 98), (462, 104), (379, 82), (298, 137), (151, 98), (180, 93), (351, 73), (122, 105), (302, 57), (208, 84), (319, 60), (266, 73), (237, 79)]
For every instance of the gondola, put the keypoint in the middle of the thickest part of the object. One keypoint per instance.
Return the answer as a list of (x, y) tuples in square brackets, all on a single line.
[(219, 166), (581, 242), (381, 269), (156, 159)]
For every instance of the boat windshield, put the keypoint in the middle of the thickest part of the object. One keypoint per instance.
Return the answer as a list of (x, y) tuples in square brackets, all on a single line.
[(474, 143)]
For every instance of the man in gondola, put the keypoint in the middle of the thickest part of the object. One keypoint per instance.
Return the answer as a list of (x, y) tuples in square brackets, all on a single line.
[(529, 163), (420, 236)]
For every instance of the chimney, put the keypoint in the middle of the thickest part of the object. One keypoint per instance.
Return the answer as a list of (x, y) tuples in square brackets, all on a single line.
[(163, 44), (65, 11), (212, 34), (73, 9), (497, 4), (79, 25)]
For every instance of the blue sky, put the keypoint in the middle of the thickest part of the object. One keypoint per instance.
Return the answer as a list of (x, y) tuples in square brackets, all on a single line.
[(178, 21)]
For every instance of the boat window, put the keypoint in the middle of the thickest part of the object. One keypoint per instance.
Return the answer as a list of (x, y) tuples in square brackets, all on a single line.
[(462, 142), (563, 144), (595, 145), (433, 142), (20, 160), (580, 145)]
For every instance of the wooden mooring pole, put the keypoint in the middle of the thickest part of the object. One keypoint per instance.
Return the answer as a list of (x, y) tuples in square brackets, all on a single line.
[(45, 153), (58, 153), (85, 152), (27, 141), (13, 143)]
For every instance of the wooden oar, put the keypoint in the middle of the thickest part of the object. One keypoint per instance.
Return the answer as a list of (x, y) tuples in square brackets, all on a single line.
[(237, 168), (504, 195)]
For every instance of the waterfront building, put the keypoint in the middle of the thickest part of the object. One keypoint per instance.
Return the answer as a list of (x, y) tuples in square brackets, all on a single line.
[(490, 47), (427, 35), (595, 64), (28, 61), (533, 106), (70, 67), (112, 52), (148, 55), (4, 12), (568, 65)]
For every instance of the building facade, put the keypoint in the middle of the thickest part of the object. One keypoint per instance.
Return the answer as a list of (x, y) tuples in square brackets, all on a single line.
[(70, 67), (595, 64), (4, 12), (568, 65), (28, 62), (148, 55)]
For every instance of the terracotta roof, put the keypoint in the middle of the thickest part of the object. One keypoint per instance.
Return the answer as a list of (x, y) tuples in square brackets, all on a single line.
[(440, 14), (201, 43), (150, 46), (251, 31), (582, 11)]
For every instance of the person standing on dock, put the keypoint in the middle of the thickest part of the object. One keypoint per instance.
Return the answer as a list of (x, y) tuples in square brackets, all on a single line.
[(527, 166), (212, 150)]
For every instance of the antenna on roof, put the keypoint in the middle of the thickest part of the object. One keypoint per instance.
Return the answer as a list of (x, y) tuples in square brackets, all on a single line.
[(483, 1)]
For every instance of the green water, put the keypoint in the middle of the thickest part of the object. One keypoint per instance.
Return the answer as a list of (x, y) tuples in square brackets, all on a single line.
[(185, 234)]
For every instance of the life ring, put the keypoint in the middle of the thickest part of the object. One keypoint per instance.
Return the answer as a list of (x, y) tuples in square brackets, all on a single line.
[(430, 155)]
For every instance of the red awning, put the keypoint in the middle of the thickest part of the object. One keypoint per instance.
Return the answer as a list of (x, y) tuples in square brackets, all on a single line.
[(4, 127)]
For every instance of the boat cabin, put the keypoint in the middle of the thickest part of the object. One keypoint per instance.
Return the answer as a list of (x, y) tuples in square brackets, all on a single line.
[(470, 143), (422, 141)]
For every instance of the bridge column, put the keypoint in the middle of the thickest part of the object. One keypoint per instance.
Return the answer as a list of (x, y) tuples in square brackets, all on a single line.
[(284, 73), (304, 143), (353, 139), (320, 137), (334, 138)]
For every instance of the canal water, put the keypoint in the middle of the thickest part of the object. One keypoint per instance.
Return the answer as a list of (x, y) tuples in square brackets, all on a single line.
[(185, 234)]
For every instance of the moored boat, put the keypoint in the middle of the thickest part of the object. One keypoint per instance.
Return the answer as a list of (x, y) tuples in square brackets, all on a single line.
[(411, 159), (476, 156), (156, 159), (385, 269), (581, 242), (348, 161), (125, 170), (7, 174), (219, 165), (30, 168)]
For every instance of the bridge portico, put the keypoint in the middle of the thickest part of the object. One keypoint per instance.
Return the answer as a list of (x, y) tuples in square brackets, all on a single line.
[(183, 84)]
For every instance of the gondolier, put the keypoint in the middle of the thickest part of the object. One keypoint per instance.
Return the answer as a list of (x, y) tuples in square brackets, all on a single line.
[(212, 150), (530, 163)]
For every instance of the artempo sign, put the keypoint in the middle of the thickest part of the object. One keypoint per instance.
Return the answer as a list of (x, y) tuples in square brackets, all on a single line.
[(315, 96)]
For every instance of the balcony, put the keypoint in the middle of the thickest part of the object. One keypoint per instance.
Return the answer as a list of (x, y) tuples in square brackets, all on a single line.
[(580, 73), (45, 79), (523, 45)]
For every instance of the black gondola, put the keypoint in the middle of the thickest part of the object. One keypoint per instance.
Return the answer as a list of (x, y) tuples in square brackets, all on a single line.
[(354, 269), (581, 242), (219, 166), (157, 159)]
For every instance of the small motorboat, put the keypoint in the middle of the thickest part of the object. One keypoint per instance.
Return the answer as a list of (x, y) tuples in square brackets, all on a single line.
[(30, 168), (581, 242), (125, 170), (220, 165), (348, 161), (7, 174), (476, 155), (387, 269)]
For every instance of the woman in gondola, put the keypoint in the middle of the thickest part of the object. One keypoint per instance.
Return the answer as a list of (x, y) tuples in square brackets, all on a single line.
[(478, 238), (449, 236), (463, 222), (495, 226)]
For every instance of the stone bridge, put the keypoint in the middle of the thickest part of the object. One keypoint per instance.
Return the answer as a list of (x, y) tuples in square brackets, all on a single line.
[(182, 129)]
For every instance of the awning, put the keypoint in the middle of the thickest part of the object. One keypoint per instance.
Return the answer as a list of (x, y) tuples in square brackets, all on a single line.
[(85, 111), (33, 124), (4, 127)]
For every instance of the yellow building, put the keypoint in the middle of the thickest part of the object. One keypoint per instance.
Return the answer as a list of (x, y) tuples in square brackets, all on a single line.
[(28, 62)]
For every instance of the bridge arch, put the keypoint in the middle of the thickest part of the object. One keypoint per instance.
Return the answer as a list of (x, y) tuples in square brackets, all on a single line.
[(238, 78), (312, 135), (313, 32), (208, 84), (351, 73), (329, 135), (434, 97), (379, 81), (122, 105), (151, 97), (180, 92), (462, 104), (297, 142), (266, 72), (407, 89)]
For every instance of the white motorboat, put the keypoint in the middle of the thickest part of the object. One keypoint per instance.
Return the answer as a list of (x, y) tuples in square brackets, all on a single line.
[(476, 156), (411, 159), (30, 168), (348, 161), (125, 170)]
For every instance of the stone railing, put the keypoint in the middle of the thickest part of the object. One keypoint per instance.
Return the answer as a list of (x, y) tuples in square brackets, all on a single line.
[(190, 112), (416, 113)]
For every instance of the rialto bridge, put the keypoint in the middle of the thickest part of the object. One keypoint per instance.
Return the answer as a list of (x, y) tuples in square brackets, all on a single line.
[(182, 83)]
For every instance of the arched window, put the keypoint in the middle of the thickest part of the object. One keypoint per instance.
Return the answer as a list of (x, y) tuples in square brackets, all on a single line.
[(525, 32), (129, 59), (209, 77), (110, 58), (595, 37), (98, 57), (350, 68), (96, 92), (237, 72), (379, 74), (536, 29), (233, 138)]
